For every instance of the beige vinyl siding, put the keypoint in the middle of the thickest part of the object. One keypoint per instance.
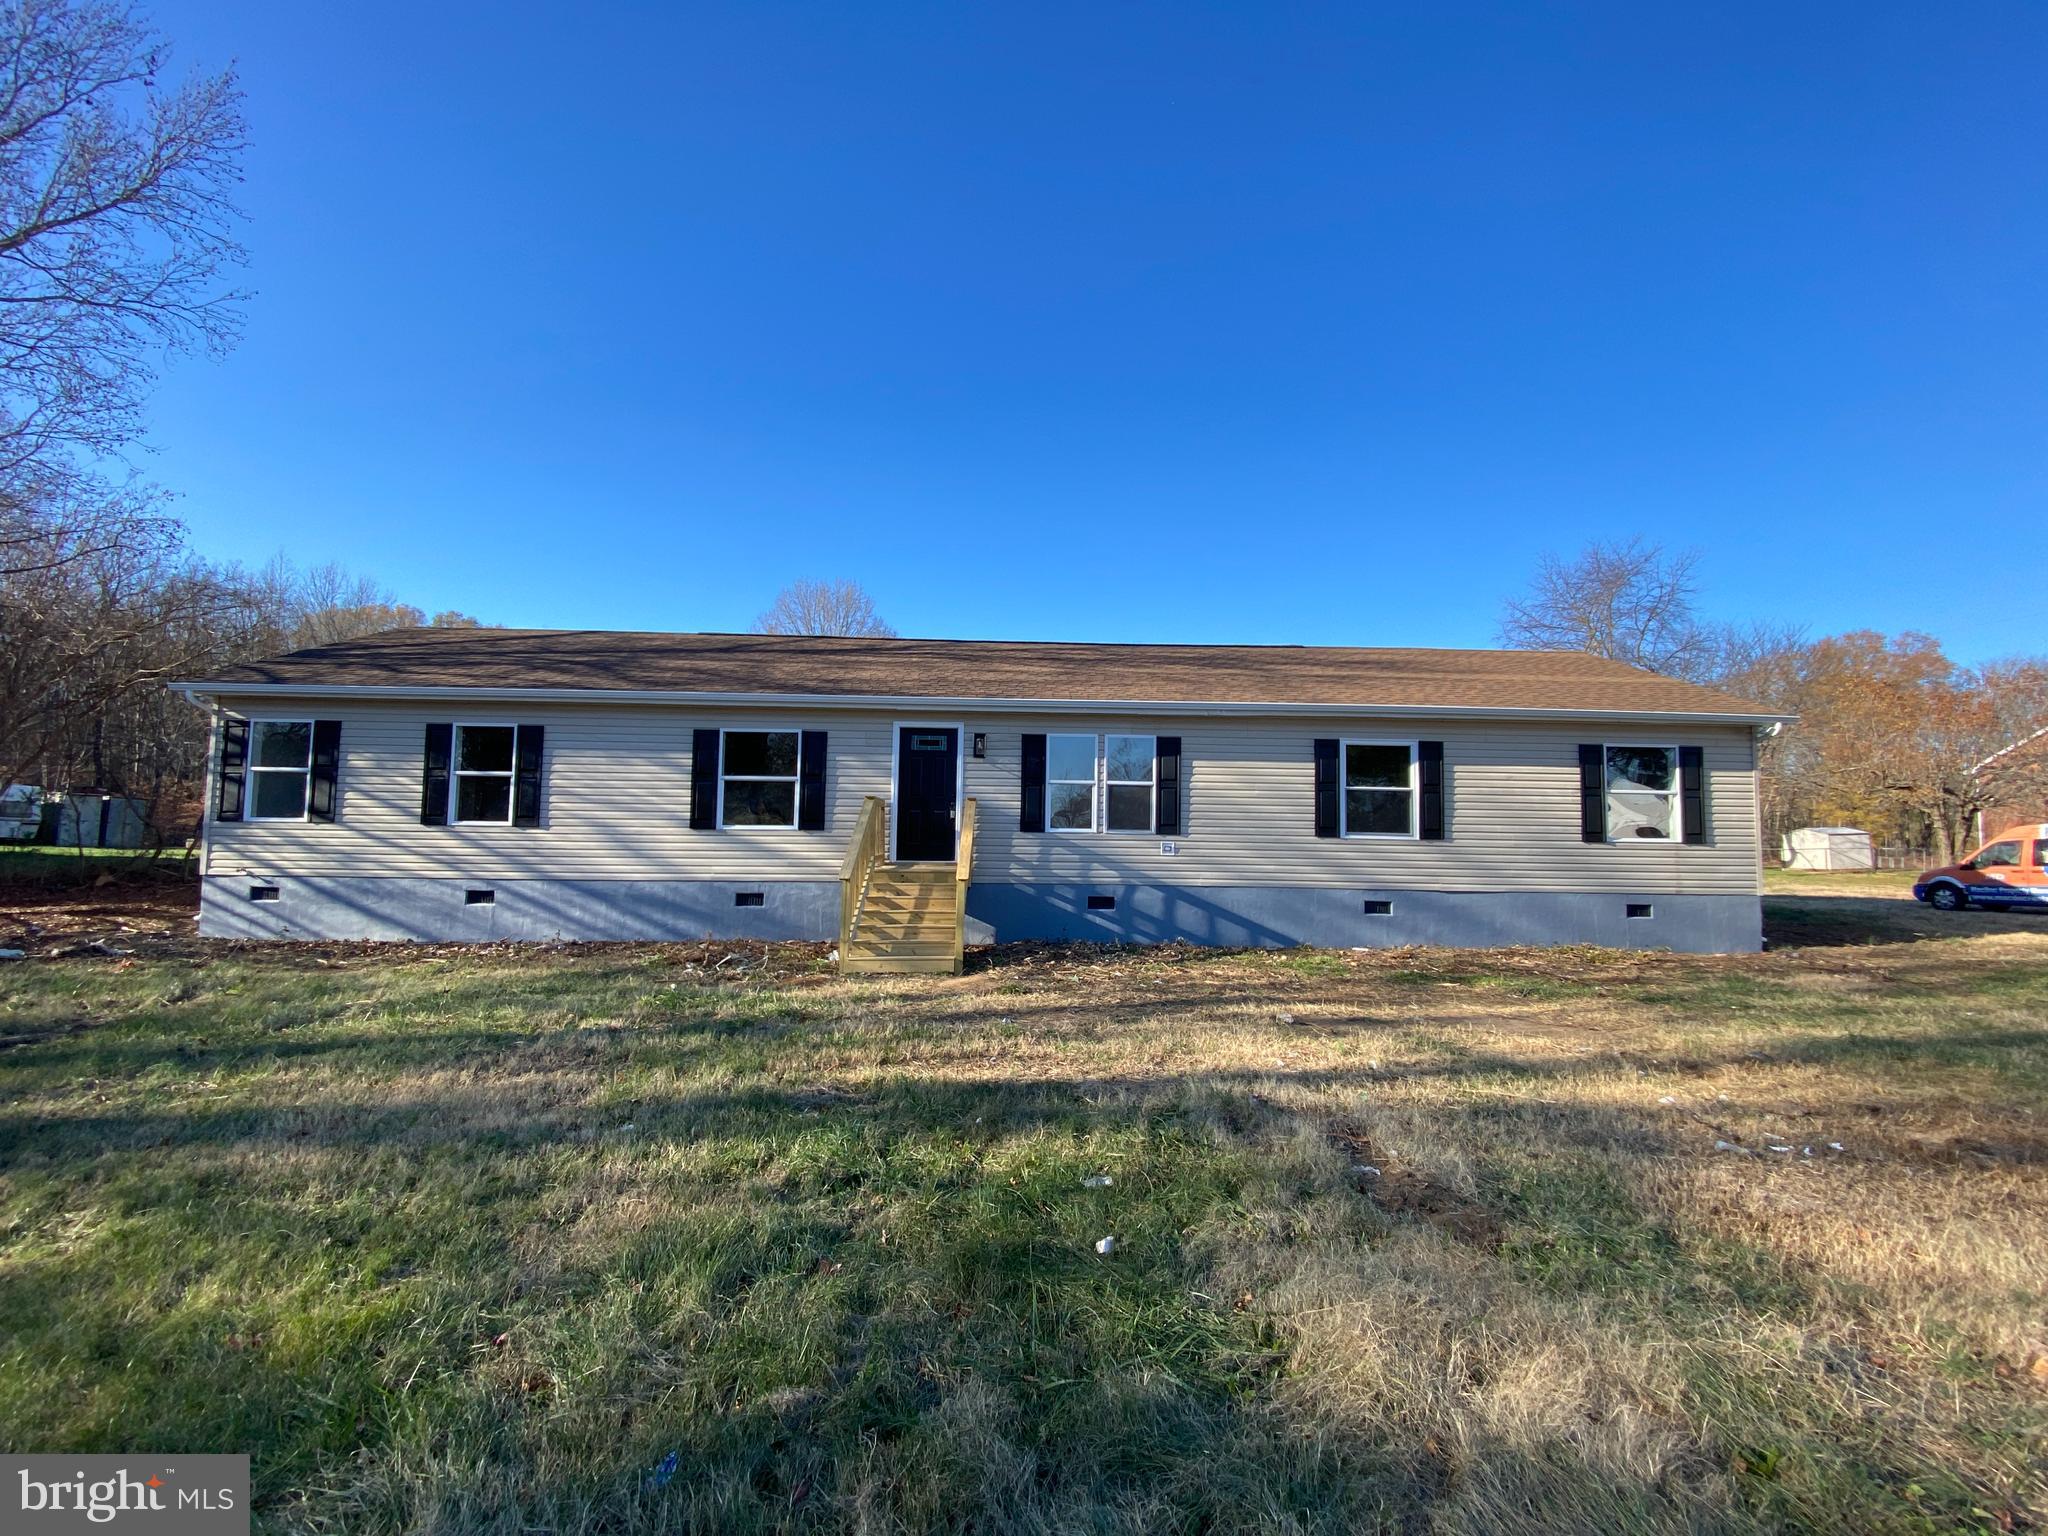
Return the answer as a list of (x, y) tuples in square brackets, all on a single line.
[(1511, 817), (617, 805), (615, 801)]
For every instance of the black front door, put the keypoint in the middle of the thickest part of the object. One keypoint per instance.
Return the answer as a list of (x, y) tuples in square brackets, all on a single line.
[(927, 772)]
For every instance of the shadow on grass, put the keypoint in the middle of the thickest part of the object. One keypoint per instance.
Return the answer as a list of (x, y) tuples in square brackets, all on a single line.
[(1809, 922)]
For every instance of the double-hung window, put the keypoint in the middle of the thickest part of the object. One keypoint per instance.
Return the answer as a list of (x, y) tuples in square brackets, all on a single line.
[(1070, 783), (1642, 793), (1127, 773), (280, 761), (483, 774), (758, 779), (1379, 789)]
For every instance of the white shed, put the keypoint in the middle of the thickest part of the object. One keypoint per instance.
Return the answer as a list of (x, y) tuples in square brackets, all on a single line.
[(1828, 848), (21, 812)]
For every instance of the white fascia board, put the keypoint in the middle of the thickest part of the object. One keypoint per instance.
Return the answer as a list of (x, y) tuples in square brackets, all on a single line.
[(816, 701), (2010, 747)]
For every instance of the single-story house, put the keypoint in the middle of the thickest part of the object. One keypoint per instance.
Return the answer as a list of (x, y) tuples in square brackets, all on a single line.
[(471, 784)]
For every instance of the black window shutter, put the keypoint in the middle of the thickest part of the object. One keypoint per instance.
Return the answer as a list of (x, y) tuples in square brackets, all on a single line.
[(434, 777), (1592, 792), (1031, 803), (1429, 777), (704, 781), (1166, 774), (529, 752), (1692, 794), (1326, 787), (326, 770), (810, 783), (234, 768)]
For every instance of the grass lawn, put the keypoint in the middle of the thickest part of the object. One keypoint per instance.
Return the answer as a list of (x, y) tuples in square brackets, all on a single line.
[(1840, 882), (636, 1238), (37, 864)]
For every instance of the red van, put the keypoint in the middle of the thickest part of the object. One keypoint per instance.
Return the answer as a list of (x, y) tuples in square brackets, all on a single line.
[(2009, 871)]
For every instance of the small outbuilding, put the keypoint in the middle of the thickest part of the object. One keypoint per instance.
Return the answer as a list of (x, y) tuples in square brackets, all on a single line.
[(1829, 848), (94, 818), (21, 813)]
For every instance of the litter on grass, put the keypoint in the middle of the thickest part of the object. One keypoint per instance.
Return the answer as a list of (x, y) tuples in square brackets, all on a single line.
[(664, 1470), (1729, 1146), (1097, 1181), (1106, 1247)]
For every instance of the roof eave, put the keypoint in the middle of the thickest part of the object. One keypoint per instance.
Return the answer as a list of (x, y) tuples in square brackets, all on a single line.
[(926, 703)]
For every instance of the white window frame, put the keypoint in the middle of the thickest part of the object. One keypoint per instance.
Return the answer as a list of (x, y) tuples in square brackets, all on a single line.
[(250, 770), (1094, 782), (1151, 784), (795, 780), (457, 773), (1677, 817), (1414, 831)]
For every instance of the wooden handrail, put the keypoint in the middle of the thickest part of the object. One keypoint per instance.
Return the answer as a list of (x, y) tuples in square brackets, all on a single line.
[(870, 809), (863, 852), (963, 872)]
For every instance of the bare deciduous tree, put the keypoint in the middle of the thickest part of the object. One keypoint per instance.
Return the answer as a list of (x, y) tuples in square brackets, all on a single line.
[(1628, 602), (822, 608), (115, 238), (114, 217)]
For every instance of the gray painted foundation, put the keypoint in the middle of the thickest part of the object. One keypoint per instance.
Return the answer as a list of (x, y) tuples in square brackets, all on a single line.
[(440, 910), (1257, 916), (1278, 916)]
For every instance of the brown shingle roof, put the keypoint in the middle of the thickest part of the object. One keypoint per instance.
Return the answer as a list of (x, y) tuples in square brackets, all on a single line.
[(1345, 677)]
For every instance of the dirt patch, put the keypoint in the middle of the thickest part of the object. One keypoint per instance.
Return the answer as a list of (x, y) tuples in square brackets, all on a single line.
[(1403, 1191), (139, 914)]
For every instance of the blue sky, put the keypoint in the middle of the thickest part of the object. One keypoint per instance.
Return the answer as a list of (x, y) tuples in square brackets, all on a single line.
[(1253, 322)]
